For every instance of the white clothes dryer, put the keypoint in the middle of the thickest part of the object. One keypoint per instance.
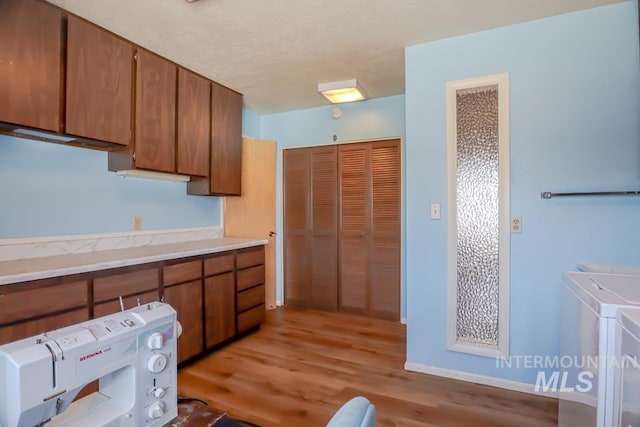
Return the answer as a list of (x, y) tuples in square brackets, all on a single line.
[(588, 341), (626, 396)]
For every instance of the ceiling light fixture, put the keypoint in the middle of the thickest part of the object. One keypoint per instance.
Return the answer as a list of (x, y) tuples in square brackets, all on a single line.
[(342, 91)]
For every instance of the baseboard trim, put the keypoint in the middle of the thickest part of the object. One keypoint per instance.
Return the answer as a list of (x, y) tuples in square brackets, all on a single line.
[(478, 379)]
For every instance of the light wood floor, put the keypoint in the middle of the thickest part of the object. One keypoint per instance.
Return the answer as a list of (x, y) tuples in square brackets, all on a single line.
[(300, 367)]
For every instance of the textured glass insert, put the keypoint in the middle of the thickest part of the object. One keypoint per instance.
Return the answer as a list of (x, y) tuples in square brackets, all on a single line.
[(477, 215)]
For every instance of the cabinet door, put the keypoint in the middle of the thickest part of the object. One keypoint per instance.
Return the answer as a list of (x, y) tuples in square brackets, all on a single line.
[(226, 141), (186, 299), (194, 123), (219, 295), (155, 123), (99, 83), (31, 64)]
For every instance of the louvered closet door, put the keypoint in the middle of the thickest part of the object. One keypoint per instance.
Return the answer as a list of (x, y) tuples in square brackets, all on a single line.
[(324, 228), (297, 269), (385, 230), (354, 167), (369, 234)]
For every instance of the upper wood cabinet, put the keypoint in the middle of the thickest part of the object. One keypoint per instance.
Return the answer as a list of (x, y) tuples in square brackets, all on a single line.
[(226, 145), (99, 83), (194, 123), (31, 64), (155, 113)]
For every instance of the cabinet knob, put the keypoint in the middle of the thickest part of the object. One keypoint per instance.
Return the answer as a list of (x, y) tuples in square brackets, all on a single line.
[(272, 233)]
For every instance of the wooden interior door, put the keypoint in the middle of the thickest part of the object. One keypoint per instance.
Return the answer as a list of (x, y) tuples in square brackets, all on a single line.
[(384, 241), (354, 166), (310, 227), (253, 214), (323, 228), (297, 271), (369, 237)]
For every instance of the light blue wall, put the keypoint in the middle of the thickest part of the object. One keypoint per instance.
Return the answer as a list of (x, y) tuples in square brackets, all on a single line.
[(49, 189), (367, 120), (574, 82), (251, 123)]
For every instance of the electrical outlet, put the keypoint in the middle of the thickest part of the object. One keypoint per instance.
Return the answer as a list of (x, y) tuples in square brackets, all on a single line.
[(137, 223), (516, 224)]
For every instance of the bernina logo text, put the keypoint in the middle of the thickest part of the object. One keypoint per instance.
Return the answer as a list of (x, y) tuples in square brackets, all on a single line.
[(90, 355)]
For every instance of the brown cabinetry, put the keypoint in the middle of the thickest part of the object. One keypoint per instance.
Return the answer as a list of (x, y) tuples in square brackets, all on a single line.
[(85, 86), (154, 144), (37, 307), (250, 297), (186, 299), (217, 297), (194, 124), (342, 228), (31, 64), (183, 290), (226, 145), (99, 83), (139, 285)]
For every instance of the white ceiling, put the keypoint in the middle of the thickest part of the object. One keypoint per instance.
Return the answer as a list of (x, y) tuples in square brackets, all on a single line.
[(275, 52)]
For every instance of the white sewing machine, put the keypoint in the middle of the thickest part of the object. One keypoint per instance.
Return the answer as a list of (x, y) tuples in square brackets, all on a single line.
[(133, 354)]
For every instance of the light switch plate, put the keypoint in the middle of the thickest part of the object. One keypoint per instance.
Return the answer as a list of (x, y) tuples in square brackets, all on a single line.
[(434, 211)]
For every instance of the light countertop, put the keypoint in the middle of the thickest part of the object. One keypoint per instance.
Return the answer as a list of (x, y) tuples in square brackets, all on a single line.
[(21, 270)]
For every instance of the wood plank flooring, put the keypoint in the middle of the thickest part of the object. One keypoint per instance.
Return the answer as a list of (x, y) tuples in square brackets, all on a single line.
[(302, 365)]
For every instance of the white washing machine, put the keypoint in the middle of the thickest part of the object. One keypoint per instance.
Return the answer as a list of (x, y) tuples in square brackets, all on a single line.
[(626, 396), (588, 344)]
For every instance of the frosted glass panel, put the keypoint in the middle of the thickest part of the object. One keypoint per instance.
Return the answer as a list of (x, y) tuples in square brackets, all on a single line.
[(477, 201)]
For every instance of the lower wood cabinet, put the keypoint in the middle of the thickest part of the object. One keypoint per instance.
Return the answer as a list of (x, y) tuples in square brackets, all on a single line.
[(219, 308), (186, 299), (217, 297)]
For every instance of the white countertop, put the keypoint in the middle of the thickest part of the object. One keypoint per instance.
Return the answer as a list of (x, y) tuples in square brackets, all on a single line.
[(21, 270)]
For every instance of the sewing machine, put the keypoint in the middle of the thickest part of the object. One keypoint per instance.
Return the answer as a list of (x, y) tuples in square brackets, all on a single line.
[(132, 353)]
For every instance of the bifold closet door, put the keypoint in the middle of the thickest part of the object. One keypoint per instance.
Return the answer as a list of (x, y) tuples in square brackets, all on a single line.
[(369, 228), (311, 227)]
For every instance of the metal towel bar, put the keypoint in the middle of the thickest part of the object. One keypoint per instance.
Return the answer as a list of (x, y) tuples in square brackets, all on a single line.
[(549, 195)]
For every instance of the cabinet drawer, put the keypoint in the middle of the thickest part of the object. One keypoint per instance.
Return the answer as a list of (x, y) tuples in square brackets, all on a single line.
[(110, 307), (250, 318), (183, 272), (105, 288), (250, 298), (45, 324), (250, 277), (249, 258), (218, 264), (36, 302)]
